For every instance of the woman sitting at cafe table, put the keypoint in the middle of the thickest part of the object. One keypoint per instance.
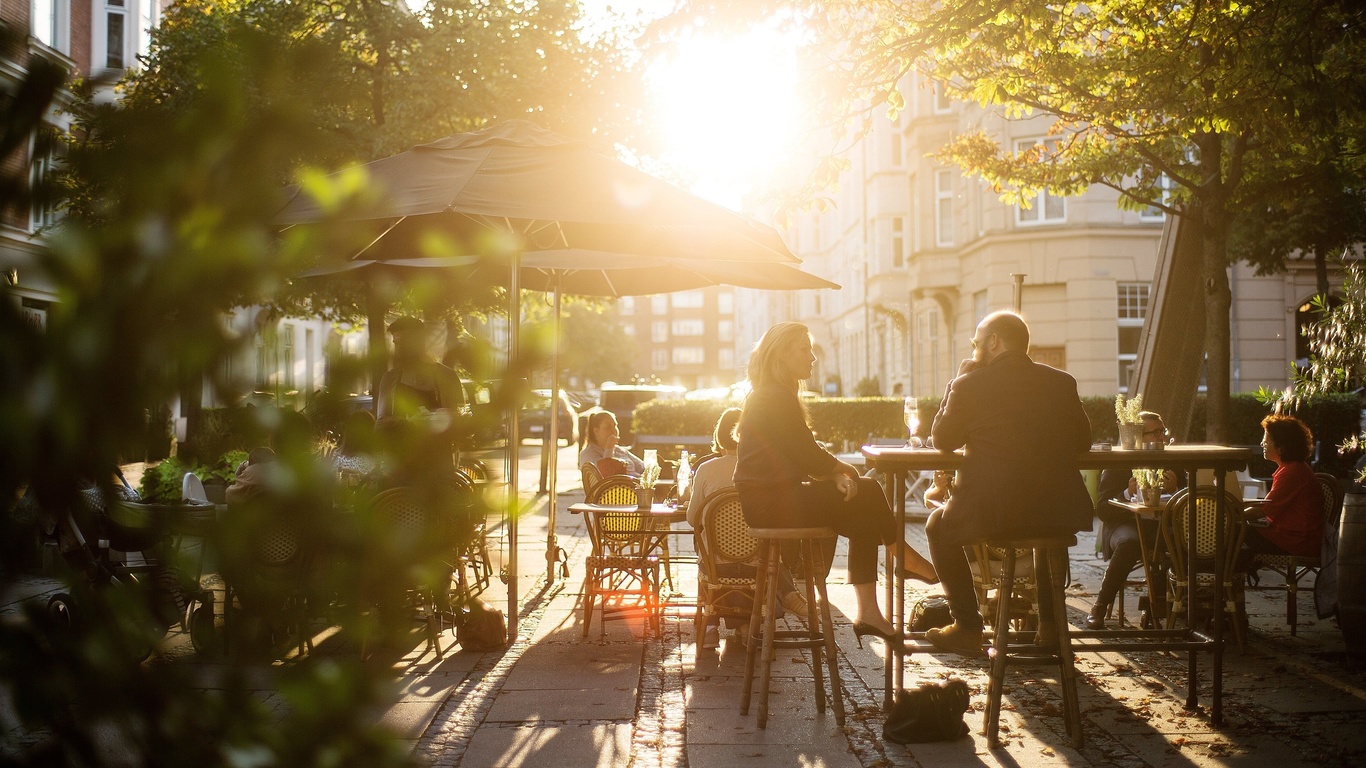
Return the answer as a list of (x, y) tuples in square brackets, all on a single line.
[(1293, 508), (602, 450)]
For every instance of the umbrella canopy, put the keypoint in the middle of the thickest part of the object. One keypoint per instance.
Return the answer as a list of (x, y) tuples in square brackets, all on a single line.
[(592, 273), (547, 192)]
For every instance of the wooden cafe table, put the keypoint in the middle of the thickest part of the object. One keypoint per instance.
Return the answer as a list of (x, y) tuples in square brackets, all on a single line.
[(896, 462)]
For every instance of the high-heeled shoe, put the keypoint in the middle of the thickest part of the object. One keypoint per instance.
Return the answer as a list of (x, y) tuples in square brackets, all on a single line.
[(861, 629), (910, 575)]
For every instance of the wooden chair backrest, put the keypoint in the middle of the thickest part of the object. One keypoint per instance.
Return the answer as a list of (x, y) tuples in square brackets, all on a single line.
[(613, 489), (723, 535)]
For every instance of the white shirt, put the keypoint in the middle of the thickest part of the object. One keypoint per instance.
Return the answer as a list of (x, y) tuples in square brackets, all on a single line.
[(715, 475), (592, 454)]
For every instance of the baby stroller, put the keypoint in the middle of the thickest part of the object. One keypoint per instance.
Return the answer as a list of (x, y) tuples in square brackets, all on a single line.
[(111, 538)]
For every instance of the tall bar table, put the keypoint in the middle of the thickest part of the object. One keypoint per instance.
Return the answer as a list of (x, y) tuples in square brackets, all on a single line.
[(896, 462)]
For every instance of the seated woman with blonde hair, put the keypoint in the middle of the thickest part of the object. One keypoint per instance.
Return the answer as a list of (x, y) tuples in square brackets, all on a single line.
[(786, 480)]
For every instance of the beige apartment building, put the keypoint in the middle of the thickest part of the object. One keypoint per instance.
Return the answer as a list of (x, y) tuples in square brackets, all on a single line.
[(686, 338), (923, 253)]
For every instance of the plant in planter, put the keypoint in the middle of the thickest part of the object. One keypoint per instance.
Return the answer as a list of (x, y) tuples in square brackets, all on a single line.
[(1130, 423), (1150, 485), (645, 486)]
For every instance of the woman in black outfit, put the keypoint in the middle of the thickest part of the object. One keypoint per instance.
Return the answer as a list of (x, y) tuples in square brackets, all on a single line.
[(786, 480)]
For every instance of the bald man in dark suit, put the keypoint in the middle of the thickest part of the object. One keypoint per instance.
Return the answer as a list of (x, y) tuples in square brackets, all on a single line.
[(1021, 425)]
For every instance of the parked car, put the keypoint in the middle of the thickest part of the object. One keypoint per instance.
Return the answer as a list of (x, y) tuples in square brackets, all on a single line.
[(535, 418), (622, 399)]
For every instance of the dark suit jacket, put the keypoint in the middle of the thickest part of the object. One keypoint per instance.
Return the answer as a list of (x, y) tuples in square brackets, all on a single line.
[(1022, 425)]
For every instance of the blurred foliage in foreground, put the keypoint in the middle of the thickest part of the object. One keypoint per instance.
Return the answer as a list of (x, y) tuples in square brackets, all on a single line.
[(144, 270)]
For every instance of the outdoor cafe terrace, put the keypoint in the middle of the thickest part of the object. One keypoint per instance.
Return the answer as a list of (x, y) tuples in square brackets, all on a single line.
[(630, 695)]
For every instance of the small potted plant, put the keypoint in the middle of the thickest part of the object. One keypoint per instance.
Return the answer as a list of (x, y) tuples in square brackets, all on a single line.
[(1130, 423), (645, 487), (1150, 486)]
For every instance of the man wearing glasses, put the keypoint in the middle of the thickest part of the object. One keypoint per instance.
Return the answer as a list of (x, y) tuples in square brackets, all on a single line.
[(1021, 425), (1119, 533)]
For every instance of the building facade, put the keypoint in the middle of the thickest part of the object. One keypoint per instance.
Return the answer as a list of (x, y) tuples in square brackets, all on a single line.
[(924, 253), (686, 338)]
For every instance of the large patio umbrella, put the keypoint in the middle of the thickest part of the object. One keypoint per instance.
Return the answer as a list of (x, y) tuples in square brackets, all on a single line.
[(516, 189)]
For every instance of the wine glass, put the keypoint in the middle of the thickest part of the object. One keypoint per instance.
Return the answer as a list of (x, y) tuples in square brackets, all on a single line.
[(911, 415)]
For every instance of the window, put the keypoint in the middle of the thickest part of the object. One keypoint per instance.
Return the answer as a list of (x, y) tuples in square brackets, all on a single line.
[(626, 306), (265, 359), (287, 354), (659, 331), (689, 355), (689, 327), (1045, 208), (47, 149), (629, 329), (1131, 307), (725, 359), (725, 303), (659, 359), (49, 23), (687, 300), (979, 307), (943, 207), (895, 144), (943, 103), (659, 304), (898, 242), (116, 17), (146, 21), (725, 330)]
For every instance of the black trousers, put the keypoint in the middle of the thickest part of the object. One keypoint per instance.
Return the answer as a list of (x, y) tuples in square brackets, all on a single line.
[(1125, 552), (947, 537), (865, 520)]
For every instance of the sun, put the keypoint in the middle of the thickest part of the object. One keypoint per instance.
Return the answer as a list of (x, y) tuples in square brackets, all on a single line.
[(727, 109)]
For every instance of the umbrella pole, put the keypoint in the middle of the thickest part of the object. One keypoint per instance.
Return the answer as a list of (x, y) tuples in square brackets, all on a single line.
[(514, 500), (552, 546)]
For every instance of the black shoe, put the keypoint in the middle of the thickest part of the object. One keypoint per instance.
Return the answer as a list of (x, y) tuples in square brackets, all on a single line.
[(1095, 621), (861, 629)]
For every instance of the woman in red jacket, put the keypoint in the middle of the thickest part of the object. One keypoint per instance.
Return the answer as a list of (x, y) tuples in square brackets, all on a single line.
[(1294, 505)]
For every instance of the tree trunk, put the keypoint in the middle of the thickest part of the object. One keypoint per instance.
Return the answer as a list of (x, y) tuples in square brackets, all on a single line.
[(1218, 298), (1321, 269)]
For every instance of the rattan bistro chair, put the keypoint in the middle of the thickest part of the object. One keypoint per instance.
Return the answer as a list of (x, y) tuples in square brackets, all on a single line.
[(727, 563), (1293, 567), (623, 565), (621, 489), (1221, 590), (413, 531), (987, 564)]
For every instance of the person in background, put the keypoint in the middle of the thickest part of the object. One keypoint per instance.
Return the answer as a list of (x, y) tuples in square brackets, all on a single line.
[(1021, 425), (416, 406), (1120, 532), (254, 476), (712, 477), (1293, 508), (787, 480), (602, 450), (417, 384)]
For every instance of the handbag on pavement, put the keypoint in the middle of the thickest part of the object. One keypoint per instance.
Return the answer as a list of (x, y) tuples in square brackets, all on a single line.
[(928, 713)]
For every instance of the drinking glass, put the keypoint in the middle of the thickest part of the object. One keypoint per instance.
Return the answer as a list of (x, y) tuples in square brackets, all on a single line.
[(911, 415)]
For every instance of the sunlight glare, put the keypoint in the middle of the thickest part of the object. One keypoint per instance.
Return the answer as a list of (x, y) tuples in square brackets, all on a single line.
[(726, 109)]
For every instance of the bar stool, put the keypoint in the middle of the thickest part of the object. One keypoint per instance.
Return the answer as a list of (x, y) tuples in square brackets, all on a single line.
[(1003, 653), (763, 627)]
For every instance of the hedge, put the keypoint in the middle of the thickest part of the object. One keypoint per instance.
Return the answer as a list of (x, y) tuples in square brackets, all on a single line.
[(855, 419)]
